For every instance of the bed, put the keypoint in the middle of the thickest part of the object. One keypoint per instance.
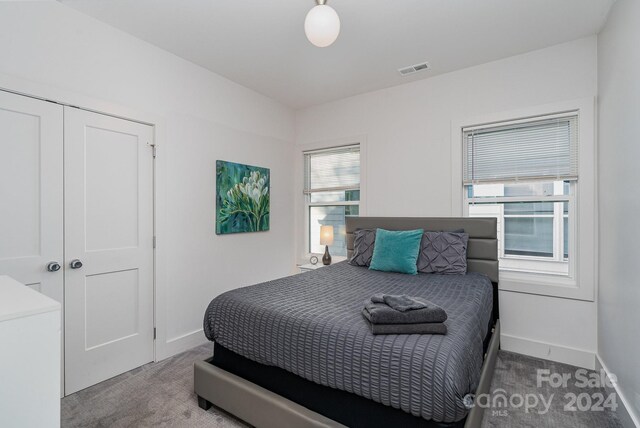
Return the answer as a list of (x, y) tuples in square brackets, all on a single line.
[(297, 352)]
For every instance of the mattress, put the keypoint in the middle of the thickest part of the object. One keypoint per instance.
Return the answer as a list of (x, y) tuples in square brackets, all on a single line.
[(311, 325)]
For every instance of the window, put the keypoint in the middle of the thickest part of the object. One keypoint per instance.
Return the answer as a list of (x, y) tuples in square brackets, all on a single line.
[(525, 174), (332, 191)]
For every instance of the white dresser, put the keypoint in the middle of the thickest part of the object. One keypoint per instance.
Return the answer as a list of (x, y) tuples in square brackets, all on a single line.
[(29, 357)]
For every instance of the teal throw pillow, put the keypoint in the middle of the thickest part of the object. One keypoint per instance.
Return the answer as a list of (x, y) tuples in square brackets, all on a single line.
[(396, 251)]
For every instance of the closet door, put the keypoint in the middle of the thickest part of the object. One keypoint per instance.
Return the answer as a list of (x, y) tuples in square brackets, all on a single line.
[(31, 217), (108, 247)]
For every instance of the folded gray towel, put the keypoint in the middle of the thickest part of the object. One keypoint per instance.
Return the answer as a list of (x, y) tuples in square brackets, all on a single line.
[(420, 328), (399, 302), (381, 313)]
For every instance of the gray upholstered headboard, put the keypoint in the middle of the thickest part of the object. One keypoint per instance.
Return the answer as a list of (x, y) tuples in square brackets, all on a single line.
[(482, 251)]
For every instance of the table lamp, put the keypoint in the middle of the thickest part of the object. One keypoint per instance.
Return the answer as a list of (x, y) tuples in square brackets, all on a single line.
[(326, 239)]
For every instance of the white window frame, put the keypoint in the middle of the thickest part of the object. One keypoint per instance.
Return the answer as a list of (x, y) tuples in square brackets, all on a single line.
[(302, 240), (580, 284), (557, 265)]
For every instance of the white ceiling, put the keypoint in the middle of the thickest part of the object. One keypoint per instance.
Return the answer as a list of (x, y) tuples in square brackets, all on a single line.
[(261, 44)]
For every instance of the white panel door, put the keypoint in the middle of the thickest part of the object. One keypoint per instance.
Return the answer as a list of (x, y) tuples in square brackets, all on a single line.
[(108, 170), (31, 214)]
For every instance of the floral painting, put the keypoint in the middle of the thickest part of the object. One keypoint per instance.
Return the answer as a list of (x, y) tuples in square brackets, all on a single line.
[(242, 198)]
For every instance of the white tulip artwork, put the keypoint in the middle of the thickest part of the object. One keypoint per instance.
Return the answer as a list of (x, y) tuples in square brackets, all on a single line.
[(242, 198)]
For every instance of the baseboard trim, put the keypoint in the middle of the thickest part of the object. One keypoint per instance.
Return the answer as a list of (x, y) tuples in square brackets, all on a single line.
[(548, 351), (182, 343), (627, 418)]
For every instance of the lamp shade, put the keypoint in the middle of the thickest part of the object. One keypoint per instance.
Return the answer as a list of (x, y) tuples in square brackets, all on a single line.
[(326, 235), (322, 25)]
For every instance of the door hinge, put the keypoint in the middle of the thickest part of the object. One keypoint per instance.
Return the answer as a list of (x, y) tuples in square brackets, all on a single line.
[(154, 333), (154, 242), (153, 150)]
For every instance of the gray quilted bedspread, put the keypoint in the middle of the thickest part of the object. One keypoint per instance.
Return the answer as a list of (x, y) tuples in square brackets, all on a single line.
[(310, 324)]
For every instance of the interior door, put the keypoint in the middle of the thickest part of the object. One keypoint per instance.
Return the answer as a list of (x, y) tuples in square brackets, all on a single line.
[(108, 170), (31, 176)]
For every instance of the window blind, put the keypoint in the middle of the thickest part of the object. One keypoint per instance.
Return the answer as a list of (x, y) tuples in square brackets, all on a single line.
[(332, 169), (539, 149)]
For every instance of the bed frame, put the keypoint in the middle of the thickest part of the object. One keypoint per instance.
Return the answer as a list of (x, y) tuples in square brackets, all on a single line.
[(263, 408)]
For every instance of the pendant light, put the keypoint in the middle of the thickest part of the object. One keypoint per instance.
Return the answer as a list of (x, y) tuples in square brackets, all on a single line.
[(322, 24)]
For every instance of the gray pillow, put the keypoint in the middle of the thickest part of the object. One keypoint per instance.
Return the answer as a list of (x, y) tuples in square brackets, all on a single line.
[(444, 253), (363, 243)]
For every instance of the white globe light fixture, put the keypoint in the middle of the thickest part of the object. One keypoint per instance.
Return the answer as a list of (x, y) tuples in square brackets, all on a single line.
[(322, 25)]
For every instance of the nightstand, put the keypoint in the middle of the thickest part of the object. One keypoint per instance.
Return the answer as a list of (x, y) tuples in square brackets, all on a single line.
[(309, 267)]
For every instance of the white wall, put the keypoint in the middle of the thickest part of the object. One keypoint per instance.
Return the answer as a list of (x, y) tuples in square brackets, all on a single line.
[(619, 203), (200, 117), (408, 145)]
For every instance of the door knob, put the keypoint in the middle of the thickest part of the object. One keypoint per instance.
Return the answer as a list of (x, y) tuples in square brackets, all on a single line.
[(53, 266), (75, 264)]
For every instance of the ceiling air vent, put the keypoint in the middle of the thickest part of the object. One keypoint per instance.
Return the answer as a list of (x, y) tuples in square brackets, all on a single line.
[(413, 69)]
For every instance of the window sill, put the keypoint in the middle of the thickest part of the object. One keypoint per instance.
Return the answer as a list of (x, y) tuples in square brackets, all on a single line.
[(544, 285)]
